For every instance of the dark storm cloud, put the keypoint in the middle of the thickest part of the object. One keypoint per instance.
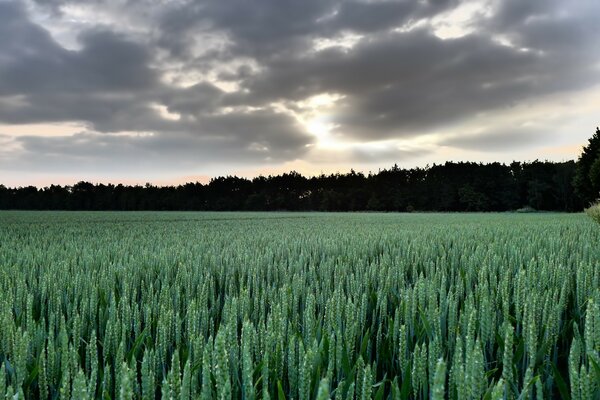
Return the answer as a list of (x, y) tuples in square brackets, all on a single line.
[(394, 82), (33, 63), (400, 84), (272, 29), (110, 85), (276, 133), (407, 79), (364, 17), (561, 28), (40, 81), (200, 98), (404, 83)]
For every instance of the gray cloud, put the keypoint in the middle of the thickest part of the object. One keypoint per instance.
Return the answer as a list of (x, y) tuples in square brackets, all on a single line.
[(33, 63), (92, 152), (400, 84), (396, 83), (497, 140), (40, 81), (200, 98), (276, 133), (110, 85), (369, 17)]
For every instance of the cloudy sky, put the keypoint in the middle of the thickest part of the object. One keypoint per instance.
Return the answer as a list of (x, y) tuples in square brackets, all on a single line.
[(174, 91)]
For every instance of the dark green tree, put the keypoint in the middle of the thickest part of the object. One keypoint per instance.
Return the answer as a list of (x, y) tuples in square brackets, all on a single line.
[(587, 177), (471, 199), (453, 186)]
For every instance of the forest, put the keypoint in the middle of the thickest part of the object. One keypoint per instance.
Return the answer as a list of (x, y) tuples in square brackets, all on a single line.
[(453, 186)]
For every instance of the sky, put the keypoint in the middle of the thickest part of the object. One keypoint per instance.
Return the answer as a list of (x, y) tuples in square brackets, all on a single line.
[(175, 91)]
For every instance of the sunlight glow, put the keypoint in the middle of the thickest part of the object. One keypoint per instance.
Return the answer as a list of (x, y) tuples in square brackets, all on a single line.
[(322, 131), (164, 112), (314, 115), (344, 42), (458, 22), (49, 129)]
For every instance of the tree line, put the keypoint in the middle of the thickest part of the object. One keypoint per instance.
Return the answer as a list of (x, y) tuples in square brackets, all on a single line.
[(448, 187), (453, 186)]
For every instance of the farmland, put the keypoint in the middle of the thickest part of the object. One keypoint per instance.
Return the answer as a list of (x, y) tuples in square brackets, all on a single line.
[(299, 305)]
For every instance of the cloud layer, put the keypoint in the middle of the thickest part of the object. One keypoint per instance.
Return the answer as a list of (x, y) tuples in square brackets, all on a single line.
[(190, 84)]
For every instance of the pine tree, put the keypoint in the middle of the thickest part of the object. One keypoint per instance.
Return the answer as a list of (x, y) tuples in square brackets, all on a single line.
[(587, 177)]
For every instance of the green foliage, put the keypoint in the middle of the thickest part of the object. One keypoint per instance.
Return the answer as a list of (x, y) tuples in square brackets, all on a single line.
[(298, 306), (452, 186), (594, 212), (587, 176)]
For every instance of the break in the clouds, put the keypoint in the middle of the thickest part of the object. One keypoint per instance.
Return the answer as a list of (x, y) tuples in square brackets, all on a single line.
[(156, 88)]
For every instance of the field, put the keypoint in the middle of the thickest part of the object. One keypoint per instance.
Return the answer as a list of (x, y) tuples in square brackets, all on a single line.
[(299, 306)]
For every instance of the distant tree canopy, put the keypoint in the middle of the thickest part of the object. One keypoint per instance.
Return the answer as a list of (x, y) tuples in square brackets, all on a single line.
[(462, 186), (587, 177)]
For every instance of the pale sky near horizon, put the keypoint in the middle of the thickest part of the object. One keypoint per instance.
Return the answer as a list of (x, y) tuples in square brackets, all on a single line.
[(184, 90)]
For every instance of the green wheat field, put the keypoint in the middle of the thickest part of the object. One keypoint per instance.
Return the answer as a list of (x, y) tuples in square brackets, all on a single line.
[(299, 306)]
